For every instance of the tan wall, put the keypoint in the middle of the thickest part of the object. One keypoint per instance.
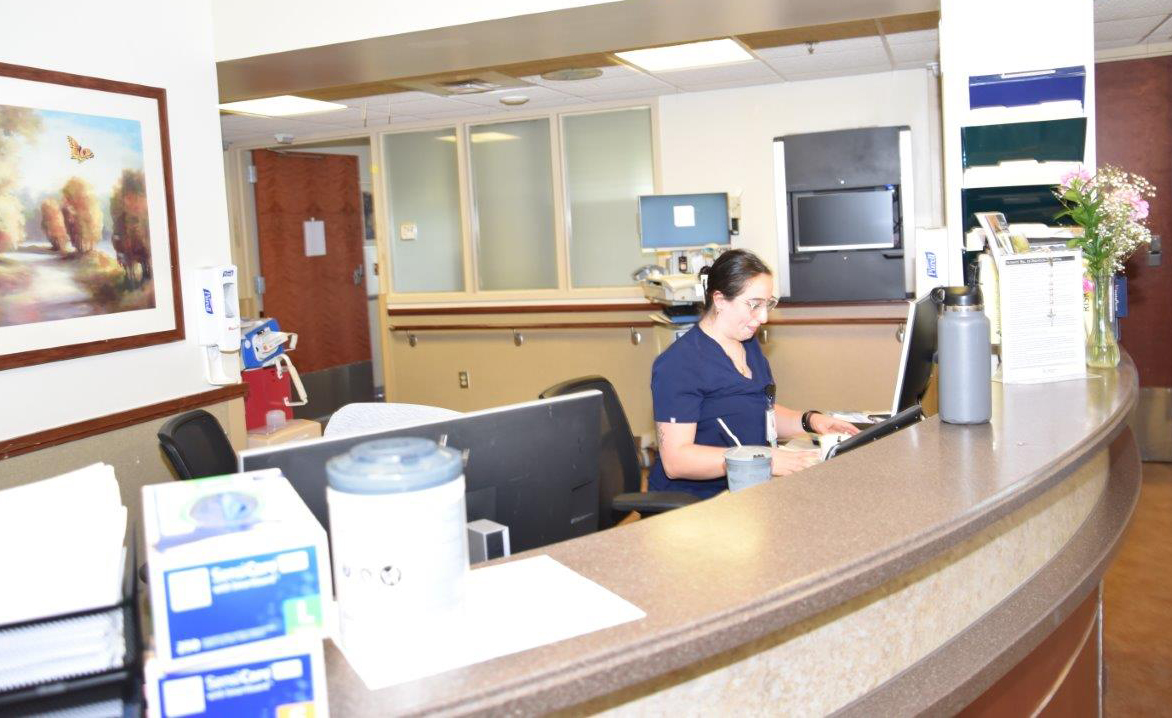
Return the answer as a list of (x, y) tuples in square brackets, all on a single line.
[(133, 452), (820, 366)]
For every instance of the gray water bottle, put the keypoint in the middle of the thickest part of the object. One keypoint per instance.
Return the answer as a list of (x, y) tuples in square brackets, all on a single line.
[(966, 390)]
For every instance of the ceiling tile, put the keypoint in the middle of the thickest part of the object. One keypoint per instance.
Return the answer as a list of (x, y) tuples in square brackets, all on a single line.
[(1133, 29), (743, 82), (913, 38), (919, 52), (634, 95), (628, 82), (872, 59), (534, 93), (1163, 32), (1123, 9), (769, 53)]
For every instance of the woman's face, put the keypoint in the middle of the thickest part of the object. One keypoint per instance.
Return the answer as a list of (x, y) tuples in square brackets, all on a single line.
[(739, 317)]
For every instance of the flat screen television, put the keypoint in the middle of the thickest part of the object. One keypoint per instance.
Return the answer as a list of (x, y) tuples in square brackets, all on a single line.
[(835, 220)]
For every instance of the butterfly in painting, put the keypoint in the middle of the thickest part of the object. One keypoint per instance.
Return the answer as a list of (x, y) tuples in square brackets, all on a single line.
[(77, 152)]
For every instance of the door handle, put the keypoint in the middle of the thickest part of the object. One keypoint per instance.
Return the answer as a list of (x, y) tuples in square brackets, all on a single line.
[(358, 272)]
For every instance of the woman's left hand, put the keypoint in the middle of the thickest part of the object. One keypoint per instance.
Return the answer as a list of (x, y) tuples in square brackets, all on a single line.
[(825, 424)]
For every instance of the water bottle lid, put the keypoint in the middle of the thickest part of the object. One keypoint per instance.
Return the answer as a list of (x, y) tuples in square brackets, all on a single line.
[(388, 466), (747, 453), (960, 297)]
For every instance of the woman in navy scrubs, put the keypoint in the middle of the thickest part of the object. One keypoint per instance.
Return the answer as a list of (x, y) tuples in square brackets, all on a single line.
[(717, 371)]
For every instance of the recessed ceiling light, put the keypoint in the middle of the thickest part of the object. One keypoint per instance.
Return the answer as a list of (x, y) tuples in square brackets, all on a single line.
[(281, 106), (570, 74), (514, 100), (682, 57)]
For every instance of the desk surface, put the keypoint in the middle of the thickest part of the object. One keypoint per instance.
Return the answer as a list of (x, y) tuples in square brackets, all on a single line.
[(728, 571)]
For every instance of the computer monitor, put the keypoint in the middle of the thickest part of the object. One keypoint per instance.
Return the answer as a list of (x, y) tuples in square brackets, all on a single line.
[(917, 354), (669, 222), (889, 426), (531, 466), (836, 220)]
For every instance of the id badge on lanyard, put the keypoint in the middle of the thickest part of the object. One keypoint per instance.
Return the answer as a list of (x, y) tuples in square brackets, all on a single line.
[(770, 415)]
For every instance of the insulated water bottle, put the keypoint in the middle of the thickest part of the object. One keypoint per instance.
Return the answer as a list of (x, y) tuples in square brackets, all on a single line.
[(963, 348)]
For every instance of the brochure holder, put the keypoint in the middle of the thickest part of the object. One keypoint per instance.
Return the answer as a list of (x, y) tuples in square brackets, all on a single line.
[(1015, 89)]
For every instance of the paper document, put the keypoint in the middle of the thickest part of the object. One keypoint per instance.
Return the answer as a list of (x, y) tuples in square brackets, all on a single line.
[(1042, 333), (509, 608), (63, 540)]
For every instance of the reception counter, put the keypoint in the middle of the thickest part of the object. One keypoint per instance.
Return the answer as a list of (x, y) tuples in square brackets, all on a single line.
[(940, 568)]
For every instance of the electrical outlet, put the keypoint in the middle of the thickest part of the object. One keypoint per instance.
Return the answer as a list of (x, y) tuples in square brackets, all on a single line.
[(463, 380)]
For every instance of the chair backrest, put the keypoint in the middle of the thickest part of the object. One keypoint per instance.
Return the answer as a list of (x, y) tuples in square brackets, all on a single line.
[(618, 456), (197, 446)]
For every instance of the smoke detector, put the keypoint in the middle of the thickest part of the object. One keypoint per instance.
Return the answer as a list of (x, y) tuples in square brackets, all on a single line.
[(514, 100), (570, 74), (284, 139)]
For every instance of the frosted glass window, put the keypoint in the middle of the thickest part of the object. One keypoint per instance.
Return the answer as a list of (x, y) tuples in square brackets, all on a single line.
[(608, 165), (512, 184), (423, 184)]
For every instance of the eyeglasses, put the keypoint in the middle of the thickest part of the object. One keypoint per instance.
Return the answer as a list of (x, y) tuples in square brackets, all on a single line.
[(756, 305)]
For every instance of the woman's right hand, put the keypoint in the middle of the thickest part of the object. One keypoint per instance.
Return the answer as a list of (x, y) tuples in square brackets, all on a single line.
[(788, 462)]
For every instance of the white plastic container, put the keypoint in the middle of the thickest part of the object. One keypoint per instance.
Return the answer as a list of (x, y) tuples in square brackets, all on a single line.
[(399, 540)]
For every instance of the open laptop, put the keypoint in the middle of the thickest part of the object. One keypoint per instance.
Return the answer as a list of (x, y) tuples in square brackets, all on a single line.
[(917, 355)]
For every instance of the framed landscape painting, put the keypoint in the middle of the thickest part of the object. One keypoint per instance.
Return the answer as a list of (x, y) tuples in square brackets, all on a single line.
[(88, 249)]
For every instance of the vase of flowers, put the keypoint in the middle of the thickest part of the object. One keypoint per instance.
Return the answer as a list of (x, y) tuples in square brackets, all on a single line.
[(1111, 206)]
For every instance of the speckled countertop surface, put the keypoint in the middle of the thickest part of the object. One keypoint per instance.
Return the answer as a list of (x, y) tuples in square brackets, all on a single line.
[(718, 574)]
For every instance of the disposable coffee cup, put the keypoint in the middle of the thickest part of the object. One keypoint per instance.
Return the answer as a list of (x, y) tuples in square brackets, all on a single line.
[(747, 466)]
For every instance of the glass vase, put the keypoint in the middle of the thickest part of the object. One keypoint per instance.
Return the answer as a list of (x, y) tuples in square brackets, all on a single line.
[(1102, 349)]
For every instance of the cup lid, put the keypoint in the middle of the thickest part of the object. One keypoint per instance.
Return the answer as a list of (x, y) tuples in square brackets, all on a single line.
[(747, 453), (387, 466)]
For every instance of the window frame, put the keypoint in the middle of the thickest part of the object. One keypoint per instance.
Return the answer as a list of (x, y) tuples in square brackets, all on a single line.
[(472, 293)]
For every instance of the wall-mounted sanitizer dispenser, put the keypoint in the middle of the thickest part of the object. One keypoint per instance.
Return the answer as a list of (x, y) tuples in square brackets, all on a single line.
[(219, 323)]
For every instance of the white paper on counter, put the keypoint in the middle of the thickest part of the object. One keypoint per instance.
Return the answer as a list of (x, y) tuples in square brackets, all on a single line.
[(63, 540), (509, 608)]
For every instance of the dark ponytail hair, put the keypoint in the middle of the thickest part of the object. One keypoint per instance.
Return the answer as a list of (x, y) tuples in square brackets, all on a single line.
[(730, 273)]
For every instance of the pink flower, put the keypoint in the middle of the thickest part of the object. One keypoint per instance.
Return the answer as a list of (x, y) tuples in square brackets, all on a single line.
[(1139, 209), (1081, 175), (1087, 285)]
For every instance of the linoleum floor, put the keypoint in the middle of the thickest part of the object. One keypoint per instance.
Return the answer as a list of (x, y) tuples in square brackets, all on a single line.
[(1137, 604)]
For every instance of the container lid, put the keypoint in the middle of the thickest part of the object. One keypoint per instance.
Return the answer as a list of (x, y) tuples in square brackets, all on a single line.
[(390, 466), (747, 453), (965, 296)]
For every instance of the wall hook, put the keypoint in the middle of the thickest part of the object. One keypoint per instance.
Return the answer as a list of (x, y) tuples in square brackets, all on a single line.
[(412, 339), (518, 338), (636, 337), (764, 335)]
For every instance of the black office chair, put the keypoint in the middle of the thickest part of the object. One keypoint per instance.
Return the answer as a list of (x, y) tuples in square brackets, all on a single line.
[(618, 459), (197, 446)]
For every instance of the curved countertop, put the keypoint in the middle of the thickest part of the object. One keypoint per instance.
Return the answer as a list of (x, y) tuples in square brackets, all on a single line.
[(805, 550)]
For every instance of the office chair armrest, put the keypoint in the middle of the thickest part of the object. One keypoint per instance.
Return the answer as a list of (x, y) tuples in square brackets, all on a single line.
[(652, 502)]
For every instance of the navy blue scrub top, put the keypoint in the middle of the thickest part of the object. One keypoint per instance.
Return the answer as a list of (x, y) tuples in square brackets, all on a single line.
[(695, 382)]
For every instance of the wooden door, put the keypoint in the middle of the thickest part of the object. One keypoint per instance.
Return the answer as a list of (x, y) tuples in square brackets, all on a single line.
[(322, 298), (1133, 101)]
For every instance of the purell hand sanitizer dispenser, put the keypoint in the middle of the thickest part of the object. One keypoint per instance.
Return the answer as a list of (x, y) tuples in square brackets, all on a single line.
[(219, 323)]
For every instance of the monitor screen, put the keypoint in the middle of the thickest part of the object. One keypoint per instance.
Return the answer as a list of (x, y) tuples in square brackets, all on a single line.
[(683, 221), (917, 354), (850, 219), (531, 466)]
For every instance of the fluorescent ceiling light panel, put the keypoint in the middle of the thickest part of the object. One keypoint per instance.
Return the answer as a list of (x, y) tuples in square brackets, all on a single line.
[(684, 57), (280, 106)]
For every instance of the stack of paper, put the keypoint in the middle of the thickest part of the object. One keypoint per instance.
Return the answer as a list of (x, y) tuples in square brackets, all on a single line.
[(63, 553)]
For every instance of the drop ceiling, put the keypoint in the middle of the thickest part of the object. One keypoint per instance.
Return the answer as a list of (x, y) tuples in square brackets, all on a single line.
[(865, 46)]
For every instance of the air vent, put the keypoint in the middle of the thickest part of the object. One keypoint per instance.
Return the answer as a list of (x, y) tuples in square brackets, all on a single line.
[(464, 83)]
